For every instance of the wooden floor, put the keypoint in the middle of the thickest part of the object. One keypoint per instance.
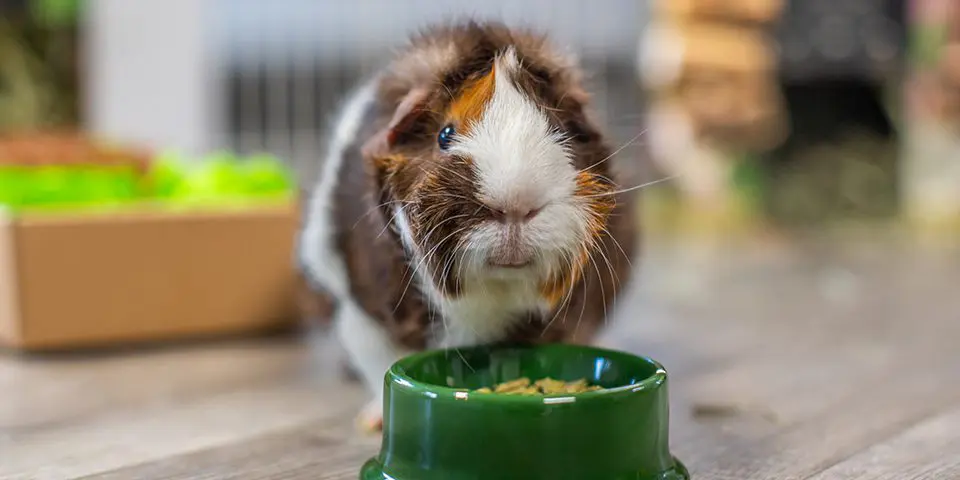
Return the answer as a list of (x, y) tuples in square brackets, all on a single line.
[(824, 361)]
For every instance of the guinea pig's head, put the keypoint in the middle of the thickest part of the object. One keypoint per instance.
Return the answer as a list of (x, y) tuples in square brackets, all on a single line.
[(496, 173)]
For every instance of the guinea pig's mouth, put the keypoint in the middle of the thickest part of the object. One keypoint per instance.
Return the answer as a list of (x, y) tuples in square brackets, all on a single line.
[(510, 265), (511, 258), (527, 271)]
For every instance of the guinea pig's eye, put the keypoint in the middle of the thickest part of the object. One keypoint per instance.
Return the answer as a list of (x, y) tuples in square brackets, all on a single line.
[(446, 136)]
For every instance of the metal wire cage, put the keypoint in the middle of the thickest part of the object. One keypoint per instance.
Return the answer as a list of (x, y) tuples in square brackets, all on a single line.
[(286, 65)]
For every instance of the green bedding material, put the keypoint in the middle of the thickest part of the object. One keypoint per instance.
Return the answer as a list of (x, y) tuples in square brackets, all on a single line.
[(173, 180)]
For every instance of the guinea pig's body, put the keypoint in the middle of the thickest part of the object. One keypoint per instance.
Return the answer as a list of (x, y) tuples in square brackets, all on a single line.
[(466, 198)]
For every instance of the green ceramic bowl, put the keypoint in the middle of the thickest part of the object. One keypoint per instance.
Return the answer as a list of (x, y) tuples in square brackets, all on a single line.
[(435, 428)]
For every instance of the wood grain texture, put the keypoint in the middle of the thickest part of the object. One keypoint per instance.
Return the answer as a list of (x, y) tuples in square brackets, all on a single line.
[(930, 449), (314, 451), (814, 360)]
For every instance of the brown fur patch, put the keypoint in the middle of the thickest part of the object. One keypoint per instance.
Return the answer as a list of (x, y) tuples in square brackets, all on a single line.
[(379, 275), (447, 209)]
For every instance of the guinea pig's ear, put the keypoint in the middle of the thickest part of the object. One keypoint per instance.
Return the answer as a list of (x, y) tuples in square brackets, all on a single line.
[(582, 128), (410, 108), (578, 122)]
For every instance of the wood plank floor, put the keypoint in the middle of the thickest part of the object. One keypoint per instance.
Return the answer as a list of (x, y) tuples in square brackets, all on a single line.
[(814, 360)]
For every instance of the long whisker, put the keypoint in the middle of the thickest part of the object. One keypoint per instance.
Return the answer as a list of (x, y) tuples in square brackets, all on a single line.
[(612, 271), (388, 223), (615, 152), (556, 314), (565, 302), (454, 172), (446, 271), (603, 295), (446, 195), (615, 279), (417, 268), (583, 301), (375, 208), (570, 257), (457, 349), (625, 190), (426, 256), (626, 257)]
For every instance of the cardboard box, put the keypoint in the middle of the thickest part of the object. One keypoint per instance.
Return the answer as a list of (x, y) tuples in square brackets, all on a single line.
[(755, 11), (71, 280), (727, 49)]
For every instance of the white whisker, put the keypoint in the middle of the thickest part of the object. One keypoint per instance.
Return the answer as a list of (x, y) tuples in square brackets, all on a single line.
[(615, 152), (625, 190), (424, 259)]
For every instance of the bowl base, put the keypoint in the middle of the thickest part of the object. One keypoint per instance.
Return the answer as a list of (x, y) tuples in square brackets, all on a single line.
[(373, 470)]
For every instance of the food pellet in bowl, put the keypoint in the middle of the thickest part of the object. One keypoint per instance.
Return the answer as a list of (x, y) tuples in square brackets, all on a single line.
[(544, 386)]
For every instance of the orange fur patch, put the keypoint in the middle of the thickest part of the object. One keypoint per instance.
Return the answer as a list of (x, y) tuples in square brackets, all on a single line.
[(600, 205), (467, 109), (558, 287), (597, 195)]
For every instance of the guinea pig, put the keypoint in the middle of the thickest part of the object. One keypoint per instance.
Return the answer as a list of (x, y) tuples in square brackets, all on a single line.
[(467, 198)]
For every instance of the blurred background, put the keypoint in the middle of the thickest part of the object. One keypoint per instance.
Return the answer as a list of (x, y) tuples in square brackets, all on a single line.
[(153, 153), (798, 112), (771, 119)]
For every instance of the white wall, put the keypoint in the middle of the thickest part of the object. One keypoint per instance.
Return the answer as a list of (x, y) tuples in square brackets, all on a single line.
[(330, 28), (149, 73)]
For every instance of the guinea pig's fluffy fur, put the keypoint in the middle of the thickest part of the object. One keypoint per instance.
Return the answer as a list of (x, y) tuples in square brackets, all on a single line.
[(466, 198)]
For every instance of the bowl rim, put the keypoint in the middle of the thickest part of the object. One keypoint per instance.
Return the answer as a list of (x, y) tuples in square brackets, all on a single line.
[(398, 377)]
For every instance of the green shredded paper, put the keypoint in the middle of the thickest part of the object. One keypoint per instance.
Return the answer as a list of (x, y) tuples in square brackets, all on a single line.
[(172, 180)]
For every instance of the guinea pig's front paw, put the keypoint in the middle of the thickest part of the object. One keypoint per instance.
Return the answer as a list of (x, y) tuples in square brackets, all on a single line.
[(370, 419)]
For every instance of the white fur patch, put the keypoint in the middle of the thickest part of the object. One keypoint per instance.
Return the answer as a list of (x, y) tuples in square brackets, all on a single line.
[(371, 350), (406, 233), (520, 159), (487, 309), (322, 262), (368, 345), (521, 163)]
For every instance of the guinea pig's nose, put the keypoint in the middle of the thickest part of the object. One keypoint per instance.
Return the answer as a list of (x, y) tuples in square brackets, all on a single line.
[(515, 214)]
